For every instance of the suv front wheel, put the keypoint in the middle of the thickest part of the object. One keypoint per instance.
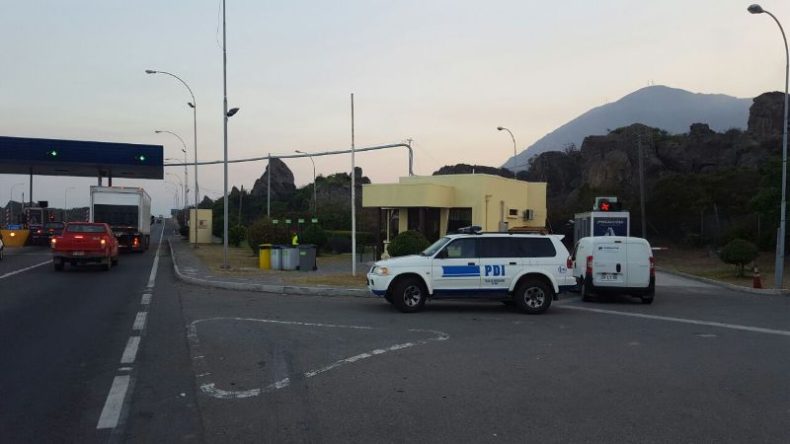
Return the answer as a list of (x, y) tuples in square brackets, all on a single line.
[(533, 296), (408, 295)]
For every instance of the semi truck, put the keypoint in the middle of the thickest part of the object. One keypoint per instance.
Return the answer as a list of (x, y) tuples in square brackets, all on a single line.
[(127, 210)]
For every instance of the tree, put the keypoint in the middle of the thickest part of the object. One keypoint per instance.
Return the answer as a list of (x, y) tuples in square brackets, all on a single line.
[(739, 252)]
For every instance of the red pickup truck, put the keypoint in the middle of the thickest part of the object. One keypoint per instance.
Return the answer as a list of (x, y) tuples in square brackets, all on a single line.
[(84, 242)]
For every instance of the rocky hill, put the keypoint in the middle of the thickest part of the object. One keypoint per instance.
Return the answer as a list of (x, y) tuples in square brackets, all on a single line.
[(670, 109), (716, 175)]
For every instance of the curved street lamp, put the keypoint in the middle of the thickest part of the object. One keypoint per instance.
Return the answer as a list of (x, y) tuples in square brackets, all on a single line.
[(193, 105), (315, 185), (502, 128), (186, 173), (780, 241)]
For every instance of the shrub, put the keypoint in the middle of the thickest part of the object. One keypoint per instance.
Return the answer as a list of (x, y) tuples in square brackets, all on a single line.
[(739, 252), (408, 242), (263, 231), (314, 234), (236, 234)]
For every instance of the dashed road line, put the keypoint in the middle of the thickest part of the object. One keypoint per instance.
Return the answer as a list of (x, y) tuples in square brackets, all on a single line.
[(146, 299), (130, 352), (22, 270), (748, 328), (139, 321), (112, 406)]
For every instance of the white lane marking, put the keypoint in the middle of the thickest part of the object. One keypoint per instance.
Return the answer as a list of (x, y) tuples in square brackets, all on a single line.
[(212, 390), (112, 407), (22, 270), (152, 276), (146, 299), (117, 398), (683, 320), (139, 321), (130, 352)]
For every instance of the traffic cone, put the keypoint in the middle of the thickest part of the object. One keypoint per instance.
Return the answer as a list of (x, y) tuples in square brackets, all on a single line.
[(756, 283)]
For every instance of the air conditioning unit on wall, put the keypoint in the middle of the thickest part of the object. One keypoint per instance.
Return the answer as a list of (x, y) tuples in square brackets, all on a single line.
[(528, 214)]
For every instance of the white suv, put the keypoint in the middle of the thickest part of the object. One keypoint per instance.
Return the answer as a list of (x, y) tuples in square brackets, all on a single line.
[(526, 269)]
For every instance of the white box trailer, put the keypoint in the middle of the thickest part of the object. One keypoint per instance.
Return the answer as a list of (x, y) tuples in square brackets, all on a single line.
[(601, 223), (127, 210)]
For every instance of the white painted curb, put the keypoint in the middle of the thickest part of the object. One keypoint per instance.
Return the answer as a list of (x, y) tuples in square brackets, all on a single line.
[(266, 288)]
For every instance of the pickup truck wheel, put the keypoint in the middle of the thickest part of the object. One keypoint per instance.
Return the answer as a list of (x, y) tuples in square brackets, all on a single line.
[(107, 266), (58, 263), (533, 296), (408, 295), (114, 261)]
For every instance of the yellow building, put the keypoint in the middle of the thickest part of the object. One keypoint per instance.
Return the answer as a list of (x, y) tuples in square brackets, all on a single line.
[(436, 205)]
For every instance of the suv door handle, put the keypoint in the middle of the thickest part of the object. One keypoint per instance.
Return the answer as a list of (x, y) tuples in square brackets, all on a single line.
[(512, 263), (470, 263), (618, 268)]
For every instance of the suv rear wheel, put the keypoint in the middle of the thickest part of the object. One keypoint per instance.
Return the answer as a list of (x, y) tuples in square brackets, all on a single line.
[(408, 295), (533, 296)]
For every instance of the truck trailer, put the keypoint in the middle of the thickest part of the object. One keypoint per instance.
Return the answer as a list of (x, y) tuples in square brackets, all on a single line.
[(127, 210)]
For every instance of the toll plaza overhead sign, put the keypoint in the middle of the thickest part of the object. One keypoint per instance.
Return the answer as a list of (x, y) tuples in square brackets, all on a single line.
[(55, 157)]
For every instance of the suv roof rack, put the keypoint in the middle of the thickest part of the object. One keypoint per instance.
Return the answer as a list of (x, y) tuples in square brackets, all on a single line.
[(472, 229)]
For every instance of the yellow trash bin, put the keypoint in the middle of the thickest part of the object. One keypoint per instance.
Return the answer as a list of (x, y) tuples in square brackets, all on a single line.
[(265, 256)]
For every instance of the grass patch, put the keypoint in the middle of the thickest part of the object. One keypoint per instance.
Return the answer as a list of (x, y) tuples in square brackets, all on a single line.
[(705, 263)]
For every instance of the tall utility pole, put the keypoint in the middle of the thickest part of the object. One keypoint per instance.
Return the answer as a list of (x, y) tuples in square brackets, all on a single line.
[(269, 188), (353, 198), (225, 135)]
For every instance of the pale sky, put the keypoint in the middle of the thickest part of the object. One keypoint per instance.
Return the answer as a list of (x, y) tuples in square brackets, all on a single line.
[(444, 73)]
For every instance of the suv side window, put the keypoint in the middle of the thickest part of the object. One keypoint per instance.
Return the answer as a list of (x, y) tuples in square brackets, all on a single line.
[(497, 247), (536, 247), (462, 249)]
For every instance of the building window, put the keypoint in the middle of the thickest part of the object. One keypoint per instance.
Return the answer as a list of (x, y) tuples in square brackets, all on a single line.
[(458, 218)]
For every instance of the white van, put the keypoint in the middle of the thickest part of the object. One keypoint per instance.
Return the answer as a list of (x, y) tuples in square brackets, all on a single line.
[(614, 264)]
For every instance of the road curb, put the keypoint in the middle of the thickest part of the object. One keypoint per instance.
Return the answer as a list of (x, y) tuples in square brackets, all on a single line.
[(760, 291), (265, 288)]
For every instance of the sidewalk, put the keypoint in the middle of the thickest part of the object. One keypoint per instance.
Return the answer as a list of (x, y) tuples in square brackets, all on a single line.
[(189, 268)]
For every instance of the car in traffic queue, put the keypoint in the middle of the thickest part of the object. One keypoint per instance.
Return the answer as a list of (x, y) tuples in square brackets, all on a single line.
[(527, 270), (2, 247), (37, 236), (83, 243)]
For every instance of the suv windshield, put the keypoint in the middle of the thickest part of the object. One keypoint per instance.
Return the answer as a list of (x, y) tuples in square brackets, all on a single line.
[(430, 251)]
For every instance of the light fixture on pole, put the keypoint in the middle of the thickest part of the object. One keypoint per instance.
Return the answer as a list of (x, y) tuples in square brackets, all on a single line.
[(66, 204), (185, 186), (193, 105), (780, 241), (502, 128), (315, 200)]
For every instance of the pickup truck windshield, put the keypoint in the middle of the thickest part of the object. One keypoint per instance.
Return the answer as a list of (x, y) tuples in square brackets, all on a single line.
[(85, 229)]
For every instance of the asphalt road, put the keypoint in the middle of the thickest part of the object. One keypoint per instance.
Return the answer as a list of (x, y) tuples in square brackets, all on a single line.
[(63, 335), (701, 364)]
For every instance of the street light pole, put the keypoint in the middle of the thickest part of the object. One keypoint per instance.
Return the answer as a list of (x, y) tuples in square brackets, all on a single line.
[(66, 204), (780, 241), (185, 185), (315, 199), (193, 105), (502, 128), (226, 113)]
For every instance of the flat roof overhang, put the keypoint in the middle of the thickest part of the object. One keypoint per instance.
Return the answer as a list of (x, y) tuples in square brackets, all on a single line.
[(56, 157), (399, 195)]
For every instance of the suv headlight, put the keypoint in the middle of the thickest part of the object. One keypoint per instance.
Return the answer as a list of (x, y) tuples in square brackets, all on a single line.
[(381, 271)]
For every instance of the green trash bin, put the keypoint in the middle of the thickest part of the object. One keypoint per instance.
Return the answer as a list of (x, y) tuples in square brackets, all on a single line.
[(307, 258), (265, 256)]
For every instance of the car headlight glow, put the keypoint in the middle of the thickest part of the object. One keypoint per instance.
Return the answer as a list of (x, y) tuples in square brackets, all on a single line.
[(381, 271)]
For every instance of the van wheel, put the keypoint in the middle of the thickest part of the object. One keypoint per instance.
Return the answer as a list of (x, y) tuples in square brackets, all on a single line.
[(59, 264), (533, 296), (647, 300), (408, 295)]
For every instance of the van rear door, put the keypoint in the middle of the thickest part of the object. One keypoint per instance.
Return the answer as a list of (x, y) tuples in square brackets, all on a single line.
[(609, 262), (638, 268)]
